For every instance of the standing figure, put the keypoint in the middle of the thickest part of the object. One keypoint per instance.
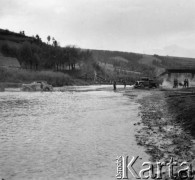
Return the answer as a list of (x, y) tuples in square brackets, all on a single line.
[(184, 84), (175, 83), (41, 87), (187, 82), (114, 85), (124, 82)]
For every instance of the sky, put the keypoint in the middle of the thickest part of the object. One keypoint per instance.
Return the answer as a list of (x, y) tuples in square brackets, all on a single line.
[(165, 27)]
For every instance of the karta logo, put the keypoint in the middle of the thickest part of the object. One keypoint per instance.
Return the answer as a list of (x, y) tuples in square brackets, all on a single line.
[(125, 167)]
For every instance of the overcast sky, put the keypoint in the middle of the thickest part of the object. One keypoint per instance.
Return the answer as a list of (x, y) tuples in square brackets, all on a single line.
[(165, 27)]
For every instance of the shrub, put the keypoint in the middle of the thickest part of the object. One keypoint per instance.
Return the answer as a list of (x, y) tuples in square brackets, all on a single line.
[(20, 76)]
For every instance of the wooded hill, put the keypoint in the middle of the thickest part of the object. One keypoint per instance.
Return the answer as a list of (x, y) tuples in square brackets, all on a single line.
[(33, 53)]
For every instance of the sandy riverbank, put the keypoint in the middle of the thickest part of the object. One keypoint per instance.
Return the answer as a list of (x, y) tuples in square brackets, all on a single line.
[(164, 129)]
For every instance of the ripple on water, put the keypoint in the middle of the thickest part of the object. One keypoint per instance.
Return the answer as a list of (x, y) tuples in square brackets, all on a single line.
[(67, 135)]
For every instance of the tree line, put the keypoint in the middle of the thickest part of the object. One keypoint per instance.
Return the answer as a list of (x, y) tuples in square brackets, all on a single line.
[(40, 55)]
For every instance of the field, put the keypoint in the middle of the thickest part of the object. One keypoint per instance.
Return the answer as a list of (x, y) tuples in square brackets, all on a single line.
[(148, 59)]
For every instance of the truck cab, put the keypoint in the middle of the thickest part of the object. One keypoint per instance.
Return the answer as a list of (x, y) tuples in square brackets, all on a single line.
[(145, 82)]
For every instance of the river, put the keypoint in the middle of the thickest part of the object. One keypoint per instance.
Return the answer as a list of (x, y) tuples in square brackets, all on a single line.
[(74, 134)]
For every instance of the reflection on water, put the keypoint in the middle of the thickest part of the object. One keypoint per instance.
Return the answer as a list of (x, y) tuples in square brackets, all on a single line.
[(75, 134)]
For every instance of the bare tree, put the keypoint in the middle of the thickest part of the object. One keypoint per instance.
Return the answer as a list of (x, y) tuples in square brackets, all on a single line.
[(48, 39), (22, 32), (55, 43)]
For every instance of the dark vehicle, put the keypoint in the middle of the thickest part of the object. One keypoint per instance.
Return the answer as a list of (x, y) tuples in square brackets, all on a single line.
[(37, 86), (146, 83)]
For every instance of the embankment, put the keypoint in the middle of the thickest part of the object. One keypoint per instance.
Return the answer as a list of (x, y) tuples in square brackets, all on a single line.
[(15, 77), (167, 128), (182, 105)]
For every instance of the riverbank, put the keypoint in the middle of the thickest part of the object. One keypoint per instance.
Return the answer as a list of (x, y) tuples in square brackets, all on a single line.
[(182, 104), (167, 126), (15, 77)]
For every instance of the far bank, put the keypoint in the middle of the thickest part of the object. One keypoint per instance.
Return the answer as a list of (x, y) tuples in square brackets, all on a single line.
[(14, 78)]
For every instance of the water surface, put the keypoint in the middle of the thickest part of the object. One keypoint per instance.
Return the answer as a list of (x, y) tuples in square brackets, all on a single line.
[(75, 134)]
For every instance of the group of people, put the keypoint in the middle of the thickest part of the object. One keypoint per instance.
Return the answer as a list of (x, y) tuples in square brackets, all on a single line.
[(185, 84)]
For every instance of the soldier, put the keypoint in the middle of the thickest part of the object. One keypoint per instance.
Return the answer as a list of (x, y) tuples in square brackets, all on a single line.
[(124, 82), (184, 83), (114, 85), (177, 83), (187, 82), (174, 83), (41, 86)]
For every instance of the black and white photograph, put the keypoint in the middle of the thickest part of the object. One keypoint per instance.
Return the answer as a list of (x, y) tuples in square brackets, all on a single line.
[(97, 89)]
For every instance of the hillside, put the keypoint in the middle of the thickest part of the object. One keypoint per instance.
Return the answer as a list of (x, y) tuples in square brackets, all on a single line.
[(6, 35), (18, 50), (123, 63), (142, 63), (149, 59)]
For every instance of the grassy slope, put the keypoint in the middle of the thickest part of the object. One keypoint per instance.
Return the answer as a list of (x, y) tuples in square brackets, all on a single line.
[(186, 62), (107, 56), (8, 62), (182, 61), (148, 59), (120, 59)]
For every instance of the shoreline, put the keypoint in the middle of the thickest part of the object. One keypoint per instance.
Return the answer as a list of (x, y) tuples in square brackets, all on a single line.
[(77, 82), (160, 132)]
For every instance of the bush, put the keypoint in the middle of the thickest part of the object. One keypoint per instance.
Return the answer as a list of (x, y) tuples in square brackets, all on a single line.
[(25, 76)]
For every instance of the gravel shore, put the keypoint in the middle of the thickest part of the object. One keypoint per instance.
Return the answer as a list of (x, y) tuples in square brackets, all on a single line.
[(164, 130)]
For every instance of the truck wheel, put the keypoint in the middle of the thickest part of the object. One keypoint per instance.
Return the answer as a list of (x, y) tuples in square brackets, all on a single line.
[(46, 89), (141, 85)]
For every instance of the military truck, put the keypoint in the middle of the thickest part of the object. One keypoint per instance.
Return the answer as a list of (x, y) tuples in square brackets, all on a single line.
[(37, 86), (145, 82)]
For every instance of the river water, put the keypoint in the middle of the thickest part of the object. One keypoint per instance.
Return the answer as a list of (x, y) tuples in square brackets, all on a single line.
[(74, 134)]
